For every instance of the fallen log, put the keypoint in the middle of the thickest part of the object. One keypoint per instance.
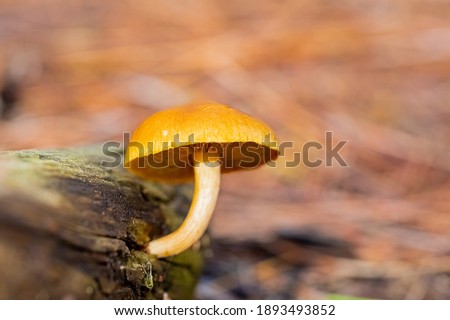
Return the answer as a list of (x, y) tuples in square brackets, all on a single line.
[(72, 228)]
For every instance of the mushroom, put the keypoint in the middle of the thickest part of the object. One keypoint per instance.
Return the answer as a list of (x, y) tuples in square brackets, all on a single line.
[(196, 141)]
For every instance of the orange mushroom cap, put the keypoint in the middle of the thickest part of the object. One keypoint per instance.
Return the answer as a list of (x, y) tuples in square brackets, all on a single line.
[(160, 148)]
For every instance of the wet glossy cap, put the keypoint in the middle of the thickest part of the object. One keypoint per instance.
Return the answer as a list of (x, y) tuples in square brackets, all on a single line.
[(161, 147)]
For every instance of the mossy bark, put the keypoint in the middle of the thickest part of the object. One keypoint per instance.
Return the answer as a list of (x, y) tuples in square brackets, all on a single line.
[(72, 228)]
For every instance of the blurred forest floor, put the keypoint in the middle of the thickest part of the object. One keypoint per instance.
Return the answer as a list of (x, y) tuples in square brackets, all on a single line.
[(375, 73)]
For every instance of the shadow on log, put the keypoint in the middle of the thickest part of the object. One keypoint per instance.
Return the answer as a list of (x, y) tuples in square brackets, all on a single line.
[(71, 228)]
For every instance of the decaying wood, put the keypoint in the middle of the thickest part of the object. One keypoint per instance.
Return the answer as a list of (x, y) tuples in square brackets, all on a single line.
[(71, 228)]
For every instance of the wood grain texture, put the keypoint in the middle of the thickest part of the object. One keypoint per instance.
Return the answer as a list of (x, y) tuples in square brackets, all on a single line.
[(71, 228)]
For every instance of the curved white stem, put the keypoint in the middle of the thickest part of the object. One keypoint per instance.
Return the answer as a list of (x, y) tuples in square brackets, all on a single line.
[(207, 182)]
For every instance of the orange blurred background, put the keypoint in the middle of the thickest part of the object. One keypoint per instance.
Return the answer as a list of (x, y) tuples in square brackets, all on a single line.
[(375, 73)]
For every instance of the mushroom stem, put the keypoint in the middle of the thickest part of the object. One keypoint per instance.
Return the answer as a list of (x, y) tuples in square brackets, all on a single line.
[(207, 182)]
